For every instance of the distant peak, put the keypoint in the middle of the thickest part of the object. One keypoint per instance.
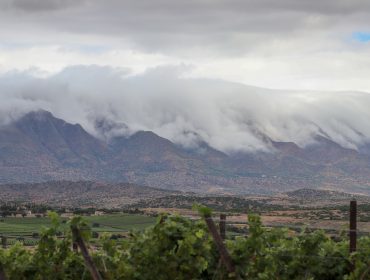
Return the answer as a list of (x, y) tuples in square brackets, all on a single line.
[(146, 133), (149, 136), (39, 115)]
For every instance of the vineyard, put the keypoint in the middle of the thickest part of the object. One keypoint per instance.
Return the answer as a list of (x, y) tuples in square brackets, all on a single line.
[(176, 247)]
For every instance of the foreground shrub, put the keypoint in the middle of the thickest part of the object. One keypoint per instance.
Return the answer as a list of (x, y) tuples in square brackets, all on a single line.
[(180, 248)]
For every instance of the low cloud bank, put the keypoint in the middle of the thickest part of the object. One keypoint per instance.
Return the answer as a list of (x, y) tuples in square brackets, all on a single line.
[(229, 117)]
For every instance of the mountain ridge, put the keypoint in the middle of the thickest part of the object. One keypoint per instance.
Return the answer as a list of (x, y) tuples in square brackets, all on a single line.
[(39, 147)]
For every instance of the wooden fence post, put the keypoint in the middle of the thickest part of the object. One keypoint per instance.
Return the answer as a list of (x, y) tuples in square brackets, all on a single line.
[(223, 226), (85, 253), (2, 273), (225, 256), (74, 247), (3, 242), (352, 226), (352, 229)]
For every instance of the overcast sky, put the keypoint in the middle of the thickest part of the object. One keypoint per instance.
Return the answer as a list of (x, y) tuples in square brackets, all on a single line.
[(308, 44), (194, 70)]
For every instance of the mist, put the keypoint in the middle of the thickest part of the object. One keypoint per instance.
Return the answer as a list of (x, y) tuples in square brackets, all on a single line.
[(230, 117)]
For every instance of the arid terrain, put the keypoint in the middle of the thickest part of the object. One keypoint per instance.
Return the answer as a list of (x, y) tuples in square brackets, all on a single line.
[(39, 147), (314, 209)]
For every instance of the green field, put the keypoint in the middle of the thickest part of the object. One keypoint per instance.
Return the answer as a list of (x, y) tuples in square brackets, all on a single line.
[(120, 222), (14, 228)]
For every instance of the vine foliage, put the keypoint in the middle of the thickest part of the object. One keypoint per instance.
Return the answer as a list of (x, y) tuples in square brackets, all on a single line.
[(180, 248)]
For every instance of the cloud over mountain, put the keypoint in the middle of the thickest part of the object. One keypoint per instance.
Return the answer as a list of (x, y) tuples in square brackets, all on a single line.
[(228, 116)]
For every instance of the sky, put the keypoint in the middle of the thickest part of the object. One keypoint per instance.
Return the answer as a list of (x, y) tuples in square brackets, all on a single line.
[(220, 71), (286, 44)]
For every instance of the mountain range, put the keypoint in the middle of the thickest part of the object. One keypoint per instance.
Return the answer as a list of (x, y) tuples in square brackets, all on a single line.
[(39, 147)]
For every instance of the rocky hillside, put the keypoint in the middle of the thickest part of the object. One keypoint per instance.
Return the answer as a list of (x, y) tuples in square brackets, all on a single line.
[(80, 193), (39, 147)]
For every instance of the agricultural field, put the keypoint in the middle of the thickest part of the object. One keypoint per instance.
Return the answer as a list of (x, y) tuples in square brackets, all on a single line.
[(309, 209), (28, 229), (332, 219), (119, 222)]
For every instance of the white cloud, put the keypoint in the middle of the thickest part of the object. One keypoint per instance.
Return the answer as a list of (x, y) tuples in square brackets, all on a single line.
[(53, 59), (228, 116), (301, 45)]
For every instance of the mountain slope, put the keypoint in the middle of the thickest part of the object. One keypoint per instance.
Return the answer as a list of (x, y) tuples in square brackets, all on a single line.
[(69, 144), (80, 193), (39, 147)]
